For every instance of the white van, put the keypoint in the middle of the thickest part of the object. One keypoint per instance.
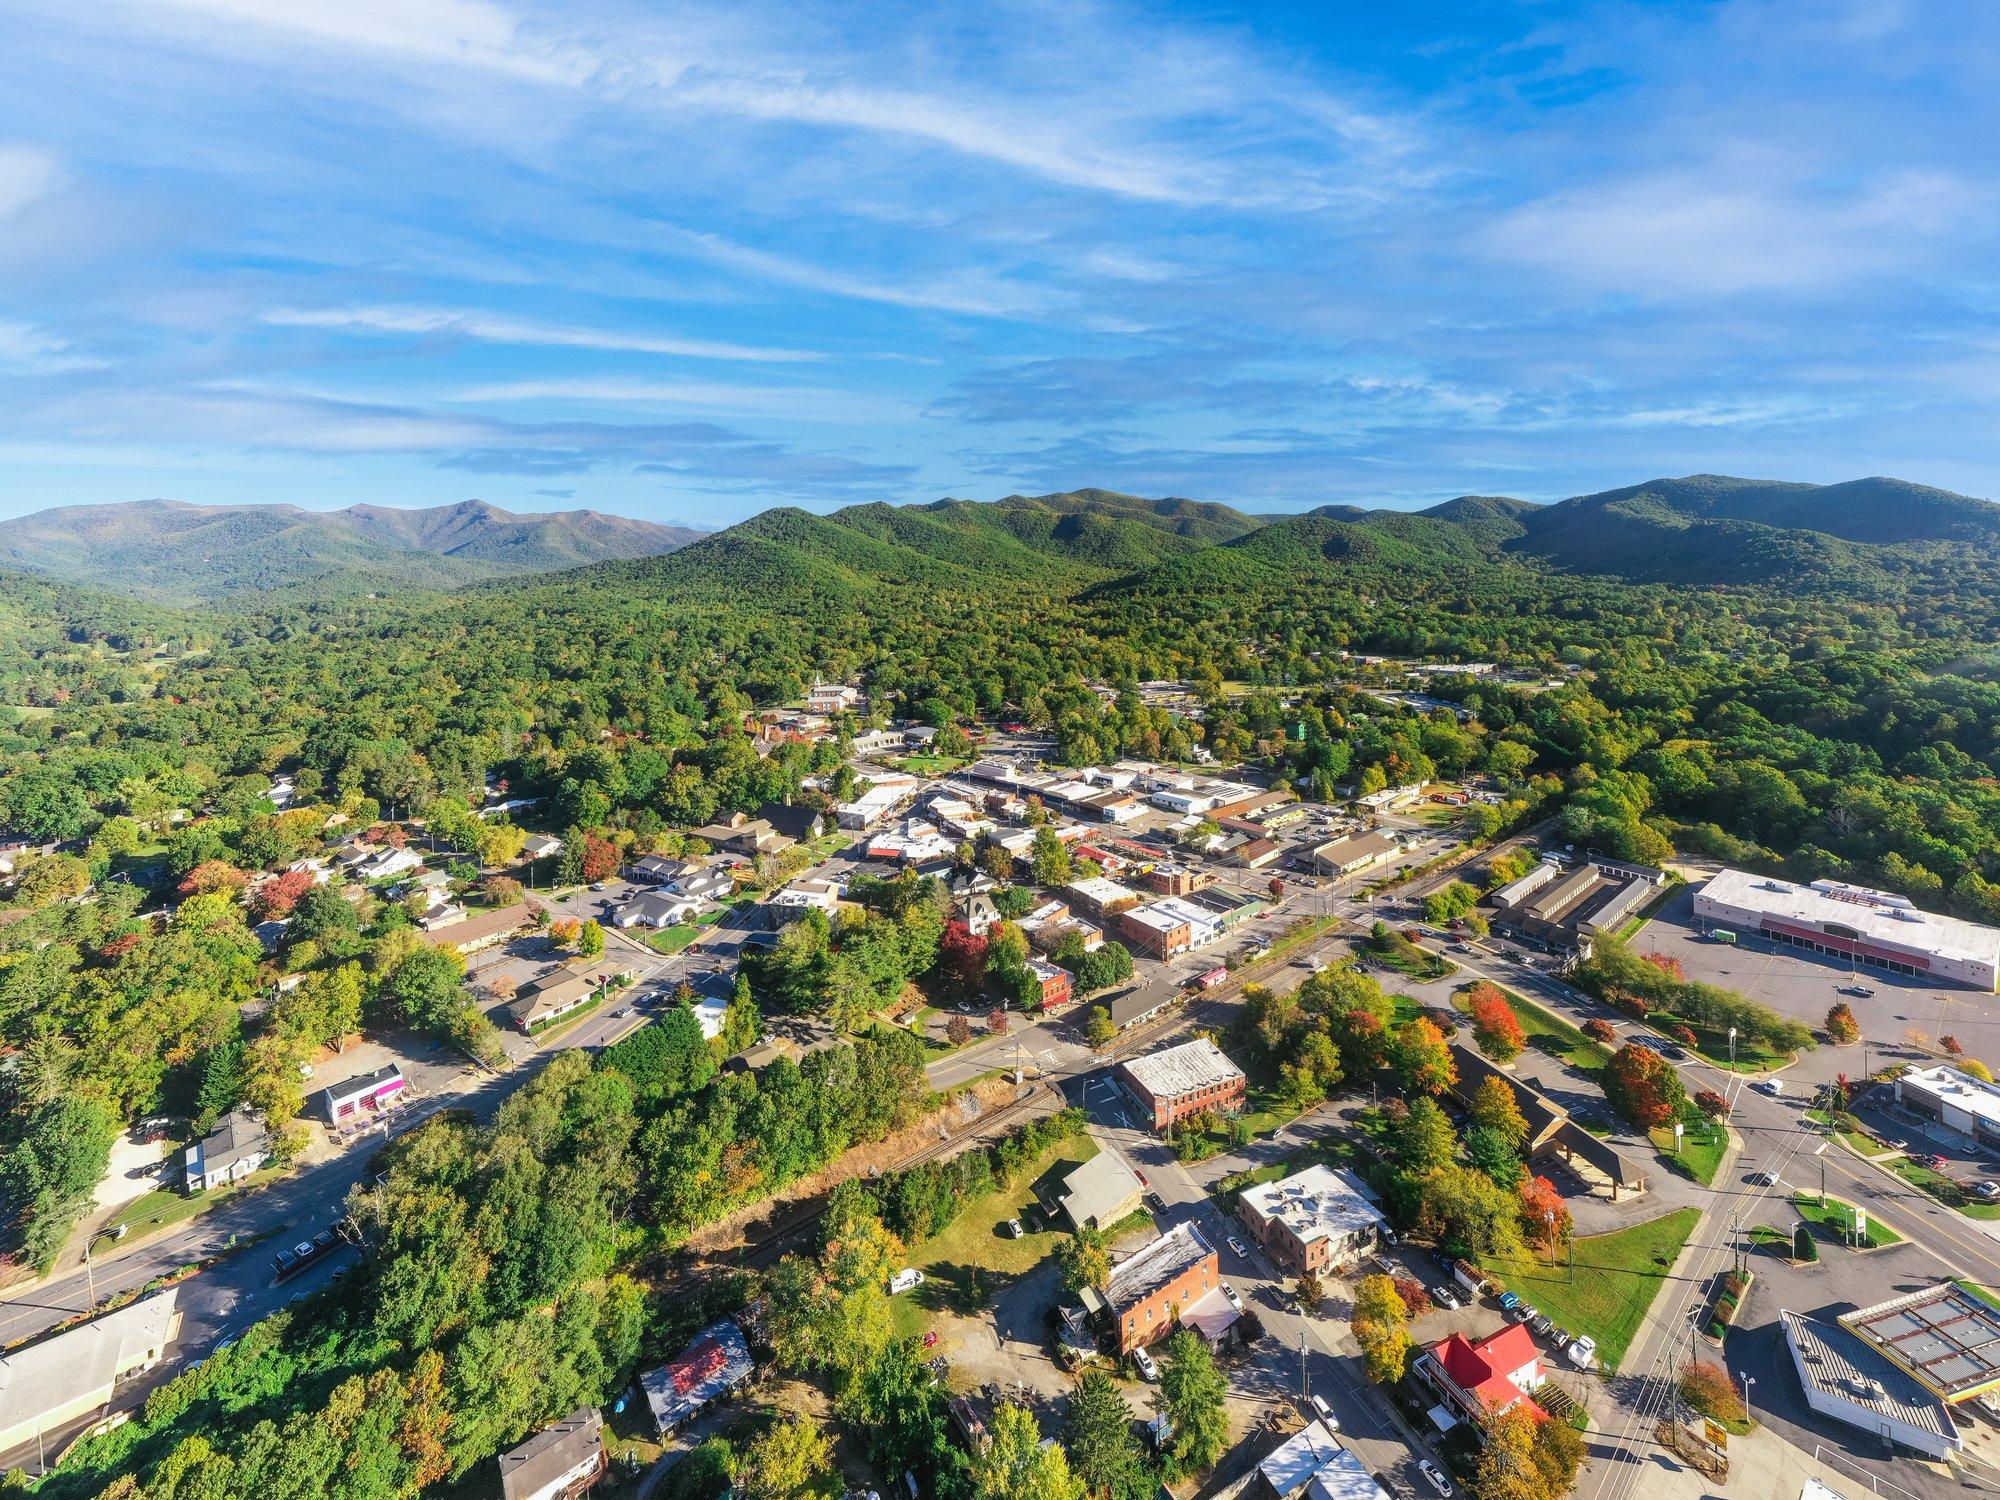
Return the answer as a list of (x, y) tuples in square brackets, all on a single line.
[(1325, 1413)]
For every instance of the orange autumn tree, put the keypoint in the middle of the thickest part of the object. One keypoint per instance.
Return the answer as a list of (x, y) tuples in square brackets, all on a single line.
[(1545, 1218), (1494, 1025)]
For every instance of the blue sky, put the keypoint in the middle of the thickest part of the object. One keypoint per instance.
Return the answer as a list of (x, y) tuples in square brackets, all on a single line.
[(689, 263)]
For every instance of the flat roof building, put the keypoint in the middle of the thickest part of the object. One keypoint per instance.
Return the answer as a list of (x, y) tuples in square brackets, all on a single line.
[(1943, 1337), (1956, 1100), (1877, 928), (1311, 1221), (1177, 1270), (1193, 1078), (1357, 851), (1844, 1378)]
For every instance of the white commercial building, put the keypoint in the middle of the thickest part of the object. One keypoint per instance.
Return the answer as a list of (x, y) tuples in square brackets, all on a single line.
[(47, 1384), (1312, 1221), (1852, 922), (1843, 1378), (1955, 1100)]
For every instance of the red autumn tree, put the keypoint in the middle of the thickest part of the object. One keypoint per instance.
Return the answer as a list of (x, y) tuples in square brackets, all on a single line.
[(1545, 1218), (1600, 1030), (1951, 1044), (996, 1022), (275, 898), (1712, 1104), (1643, 1086), (1415, 1298), (600, 858), (962, 956), (1494, 1025)]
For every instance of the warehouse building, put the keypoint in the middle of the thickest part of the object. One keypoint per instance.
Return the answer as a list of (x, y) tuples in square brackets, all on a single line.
[(1563, 909), (47, 1384), (1851, 922)]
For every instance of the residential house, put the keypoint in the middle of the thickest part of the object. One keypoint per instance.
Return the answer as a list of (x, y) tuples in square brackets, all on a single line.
[(1150, 1288), (713, 1365), (1256, 853), (1192, 1078), (557, 1463), (551, 997), (238, 1146), (656, 909), (740, 833), (441, 915), (981, 914), (1289, 1469), (662, 869), (1311, 1222), (799, 822), (1478, 1380), (541, 846), (1101, 1192), (45, 1386), (786, 906), (355, 1100), (483, 930)]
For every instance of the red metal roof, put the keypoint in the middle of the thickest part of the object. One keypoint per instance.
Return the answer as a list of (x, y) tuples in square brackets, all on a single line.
[(1481, 1370)]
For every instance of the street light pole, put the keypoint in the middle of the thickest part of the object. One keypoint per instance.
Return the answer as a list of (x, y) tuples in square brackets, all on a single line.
[(1748, 1381), (1732, 1049)]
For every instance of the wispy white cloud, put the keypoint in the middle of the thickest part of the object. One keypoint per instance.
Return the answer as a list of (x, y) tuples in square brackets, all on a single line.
[(976, 295), (26, 349), (495, 328), (26, 173), (806, 403)]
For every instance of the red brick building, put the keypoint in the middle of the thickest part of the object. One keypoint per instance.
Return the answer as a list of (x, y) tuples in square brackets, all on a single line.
[(1058, 988), (1150, 1288), (1190, 1079)]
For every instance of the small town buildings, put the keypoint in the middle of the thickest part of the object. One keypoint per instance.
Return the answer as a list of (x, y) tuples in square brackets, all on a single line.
[(798, 822), (981, 914), (387, 864), (801, 896), (1344, 1477), (883, 795), (47, 1384), (1149, 1287), (1478, 1380), (713, 1365), (541, 846), (709, 880), (740, 833), (1189, 1079), (1256, 853), (356, 1100), (1174, 879), (1353, 853), (1057, 988), (832, 698), (1097, 897), (1170, 926), (550, 998), (557, 1463), (656, 909), (1877, 928), (1311, 1222), (1140, 1004), (238, 1146), (1289, 1468), (1842, 1377), (1956, 1100), (441, 915), (1101, 1192), (662, 869)]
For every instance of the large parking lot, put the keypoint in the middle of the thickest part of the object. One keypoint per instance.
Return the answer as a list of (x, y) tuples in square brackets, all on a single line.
[(1805, 986)]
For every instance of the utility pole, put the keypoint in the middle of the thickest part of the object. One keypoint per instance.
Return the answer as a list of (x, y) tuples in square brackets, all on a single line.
[(1305, 1373)]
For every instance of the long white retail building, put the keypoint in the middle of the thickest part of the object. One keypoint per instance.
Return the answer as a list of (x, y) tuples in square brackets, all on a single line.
[(1852, 922)]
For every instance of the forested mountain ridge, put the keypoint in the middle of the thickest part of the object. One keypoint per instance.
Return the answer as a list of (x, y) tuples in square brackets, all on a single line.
[(177, 553)]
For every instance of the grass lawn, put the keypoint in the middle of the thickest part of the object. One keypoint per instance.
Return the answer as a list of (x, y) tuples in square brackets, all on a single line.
[(1550, 1033), (1616, 1278), (1751, 1057), (1837, 1215), (1700, 1156), (1940, 1187), (927, 765), (1974, 1289), (163, 1208), (673, 939), (974, 1240)]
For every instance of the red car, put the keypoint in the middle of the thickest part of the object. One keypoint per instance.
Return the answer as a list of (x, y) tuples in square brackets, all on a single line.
[(1935, 1162)]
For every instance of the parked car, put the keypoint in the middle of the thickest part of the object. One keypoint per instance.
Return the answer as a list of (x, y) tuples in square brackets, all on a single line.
[(1145, 1364), (1235, 1299), (1445, 1297), (1325, 1413), (1434, 1477), (906, 1280), (1987, 1191), (1014, 1229), (1524, 1312), (1236, 1245), (1934, 1161), (1582, 1353)]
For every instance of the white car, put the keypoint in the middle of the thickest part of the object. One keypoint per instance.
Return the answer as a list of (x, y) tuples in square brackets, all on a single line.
[(1434, 1476), (1235, 1300), (1325, 1414), (1145, 1363), (1237, 1245), (906, 1280), (1583, 1353), (1765, 1179)]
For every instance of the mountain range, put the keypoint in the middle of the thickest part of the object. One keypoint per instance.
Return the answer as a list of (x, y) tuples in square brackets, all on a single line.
[(1700, 530), (166, 551)]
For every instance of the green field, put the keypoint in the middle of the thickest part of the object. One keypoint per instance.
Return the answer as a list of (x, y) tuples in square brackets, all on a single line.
[(1702, 1149), (1837, 1216), (1615, 1281), (1940, 1187)]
